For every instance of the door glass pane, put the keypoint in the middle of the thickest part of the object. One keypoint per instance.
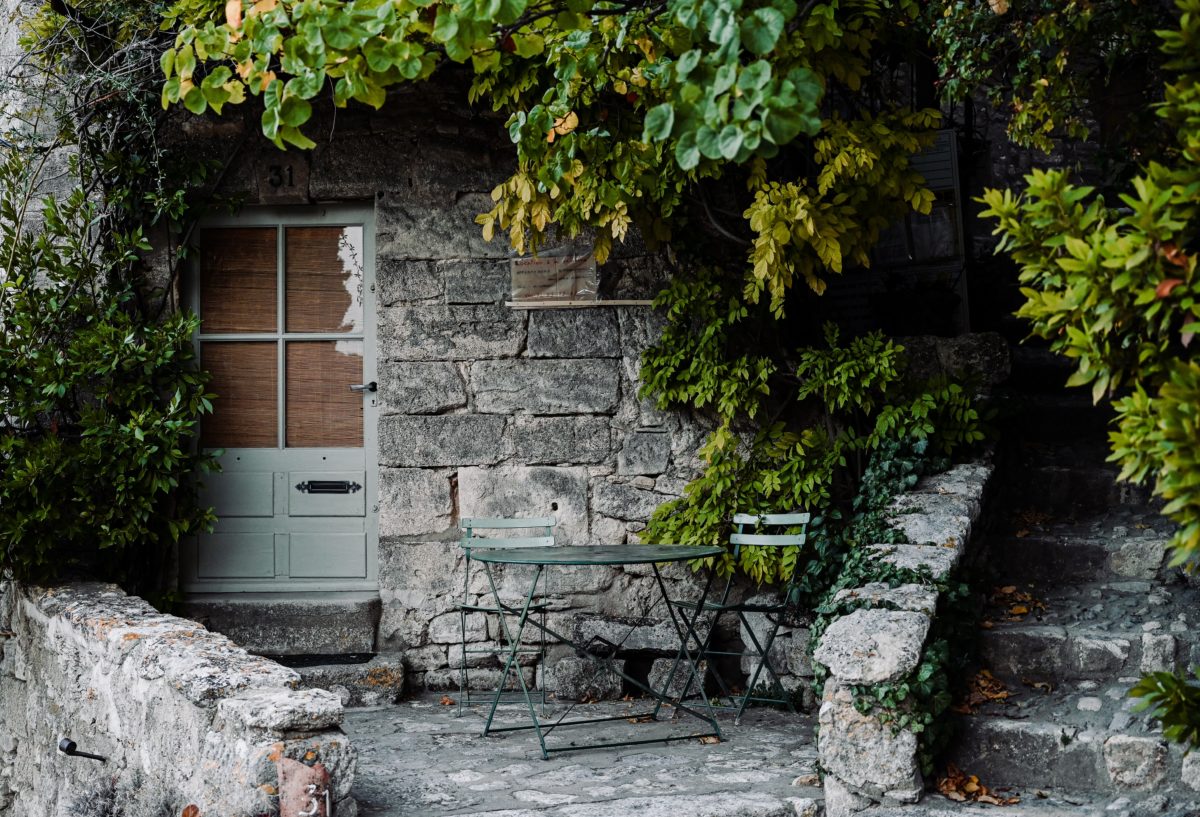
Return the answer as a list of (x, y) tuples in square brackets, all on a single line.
[(245, 413), (321, 409), (238, 280), (324, 273)]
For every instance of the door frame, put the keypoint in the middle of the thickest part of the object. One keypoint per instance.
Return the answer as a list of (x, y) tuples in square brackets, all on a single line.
[(323, 215)]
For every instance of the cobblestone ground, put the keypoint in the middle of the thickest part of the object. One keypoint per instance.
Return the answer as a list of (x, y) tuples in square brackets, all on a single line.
[(417, 758)]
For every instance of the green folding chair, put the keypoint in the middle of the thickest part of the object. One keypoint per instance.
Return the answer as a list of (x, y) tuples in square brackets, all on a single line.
[(500, 533), (759, 651)]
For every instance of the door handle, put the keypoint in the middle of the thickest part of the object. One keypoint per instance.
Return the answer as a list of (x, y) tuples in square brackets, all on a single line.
[(372, 386)]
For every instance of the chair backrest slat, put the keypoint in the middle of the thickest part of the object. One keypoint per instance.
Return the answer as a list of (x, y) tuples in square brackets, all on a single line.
[(501, 523), (472, 526), (767, 539), (489, 543), (772, 519)]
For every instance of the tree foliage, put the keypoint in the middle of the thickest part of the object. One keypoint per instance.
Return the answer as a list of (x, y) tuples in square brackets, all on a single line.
[(1116, 290), (100, 394)]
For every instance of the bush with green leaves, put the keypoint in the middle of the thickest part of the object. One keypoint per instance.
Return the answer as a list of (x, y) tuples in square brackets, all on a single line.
[(98, 407)]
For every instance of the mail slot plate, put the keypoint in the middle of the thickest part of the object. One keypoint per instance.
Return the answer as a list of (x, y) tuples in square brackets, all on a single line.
[(327, 493)]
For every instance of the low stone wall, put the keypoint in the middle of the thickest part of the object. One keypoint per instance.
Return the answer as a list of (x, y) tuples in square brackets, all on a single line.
[(184, 716), (866, 760)]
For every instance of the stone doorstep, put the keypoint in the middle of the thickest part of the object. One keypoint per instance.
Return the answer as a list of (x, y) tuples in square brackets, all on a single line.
[(292, 623)]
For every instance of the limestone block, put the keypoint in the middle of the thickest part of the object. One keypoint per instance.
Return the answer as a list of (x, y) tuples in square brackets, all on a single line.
[(863, 752), (1158, 653), (430, 656), (569, 333), (660, 637), (447, 628), (578, 679), (413, 501), (411, 229), (424, 441), (840, 801), (760, 625), (661, 673), (1138, 558), (551, 440), (873, 646), (420, 388), (477, 655), (933, 504), (917, 598), (437, 332), (948, 529), (645, 451), (528, 491), (623, 501), (378, 682), (485, 679), (282, 710), (1191, 771), (476, 282), (1097, 654), (799, 661), (405, 282), (939, 560), (1134, 762), (582, 386)]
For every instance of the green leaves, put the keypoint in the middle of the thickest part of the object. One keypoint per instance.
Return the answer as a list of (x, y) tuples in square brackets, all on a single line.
[(760, 31), (659, 121)]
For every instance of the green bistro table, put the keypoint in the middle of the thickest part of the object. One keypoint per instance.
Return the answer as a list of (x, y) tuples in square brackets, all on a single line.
[(598, 649)]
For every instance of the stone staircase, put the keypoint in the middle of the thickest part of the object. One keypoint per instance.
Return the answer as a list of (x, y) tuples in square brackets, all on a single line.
[(1078, 603)]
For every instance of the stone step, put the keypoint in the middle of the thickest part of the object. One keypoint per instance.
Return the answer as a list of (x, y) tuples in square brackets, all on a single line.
[(1047, 558), (1047, 652), (375, 682), (1048, 802), (1036, 754), (1054, 416), (291, 623), (1074, 489)]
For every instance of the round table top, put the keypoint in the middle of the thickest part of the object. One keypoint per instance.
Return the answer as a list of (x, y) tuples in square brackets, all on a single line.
[(593, 554)]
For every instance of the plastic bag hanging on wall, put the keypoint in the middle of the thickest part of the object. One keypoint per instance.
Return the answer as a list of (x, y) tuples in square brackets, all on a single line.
[(555, 278)]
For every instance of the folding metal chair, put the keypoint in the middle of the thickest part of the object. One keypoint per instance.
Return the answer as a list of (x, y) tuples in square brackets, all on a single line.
[(501, 533), (775, 613)]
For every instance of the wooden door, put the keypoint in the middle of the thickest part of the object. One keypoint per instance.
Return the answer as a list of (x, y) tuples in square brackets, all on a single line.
[(287, 327)]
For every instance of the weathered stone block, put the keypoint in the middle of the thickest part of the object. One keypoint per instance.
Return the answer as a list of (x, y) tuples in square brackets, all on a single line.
[(1096, 654), (660, 637), (645, 451), (436, 332), (476, 282), (409, 229), (528, 491), (1138, 558), (378, 682), (671, 679), (406, 282), (1158, 653), (1190, 774), (420, 388), (291, 626), (950, 530), (873, 646), (425, 441), (623, 501), (569, 333), (939, 560), (413, 501), (578, 679), (585, 386), (283, 710), (448, 629), (1135, 762), (551, 440), (862, 751), (917, 598)]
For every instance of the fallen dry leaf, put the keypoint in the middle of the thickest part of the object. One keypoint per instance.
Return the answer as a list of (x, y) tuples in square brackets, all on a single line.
[(710, 739), (986, 625), (190, 810), (447, 701), (960, 787), (1044, 687), (982, 688), (1022, 533)]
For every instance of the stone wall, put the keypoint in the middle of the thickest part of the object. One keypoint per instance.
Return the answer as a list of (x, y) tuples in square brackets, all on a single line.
[(184, 716), (866, 760)]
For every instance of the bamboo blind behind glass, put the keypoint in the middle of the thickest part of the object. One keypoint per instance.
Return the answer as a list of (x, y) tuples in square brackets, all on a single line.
[(324, 278), (238, 280), (321, 409), (245, 413)]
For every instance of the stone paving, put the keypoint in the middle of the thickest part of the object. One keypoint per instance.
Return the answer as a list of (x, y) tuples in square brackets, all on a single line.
[(419, 758)]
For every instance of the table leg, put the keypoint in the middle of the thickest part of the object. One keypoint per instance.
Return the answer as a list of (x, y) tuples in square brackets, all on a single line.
[(514, 643), (686, 629)]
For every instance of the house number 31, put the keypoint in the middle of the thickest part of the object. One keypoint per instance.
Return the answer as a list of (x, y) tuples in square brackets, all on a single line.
[(280, 176)]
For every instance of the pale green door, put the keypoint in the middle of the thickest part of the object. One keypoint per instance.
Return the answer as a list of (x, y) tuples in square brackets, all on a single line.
[(287, 330)]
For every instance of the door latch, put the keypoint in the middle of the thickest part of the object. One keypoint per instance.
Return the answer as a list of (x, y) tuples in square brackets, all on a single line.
[(328, 486)]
